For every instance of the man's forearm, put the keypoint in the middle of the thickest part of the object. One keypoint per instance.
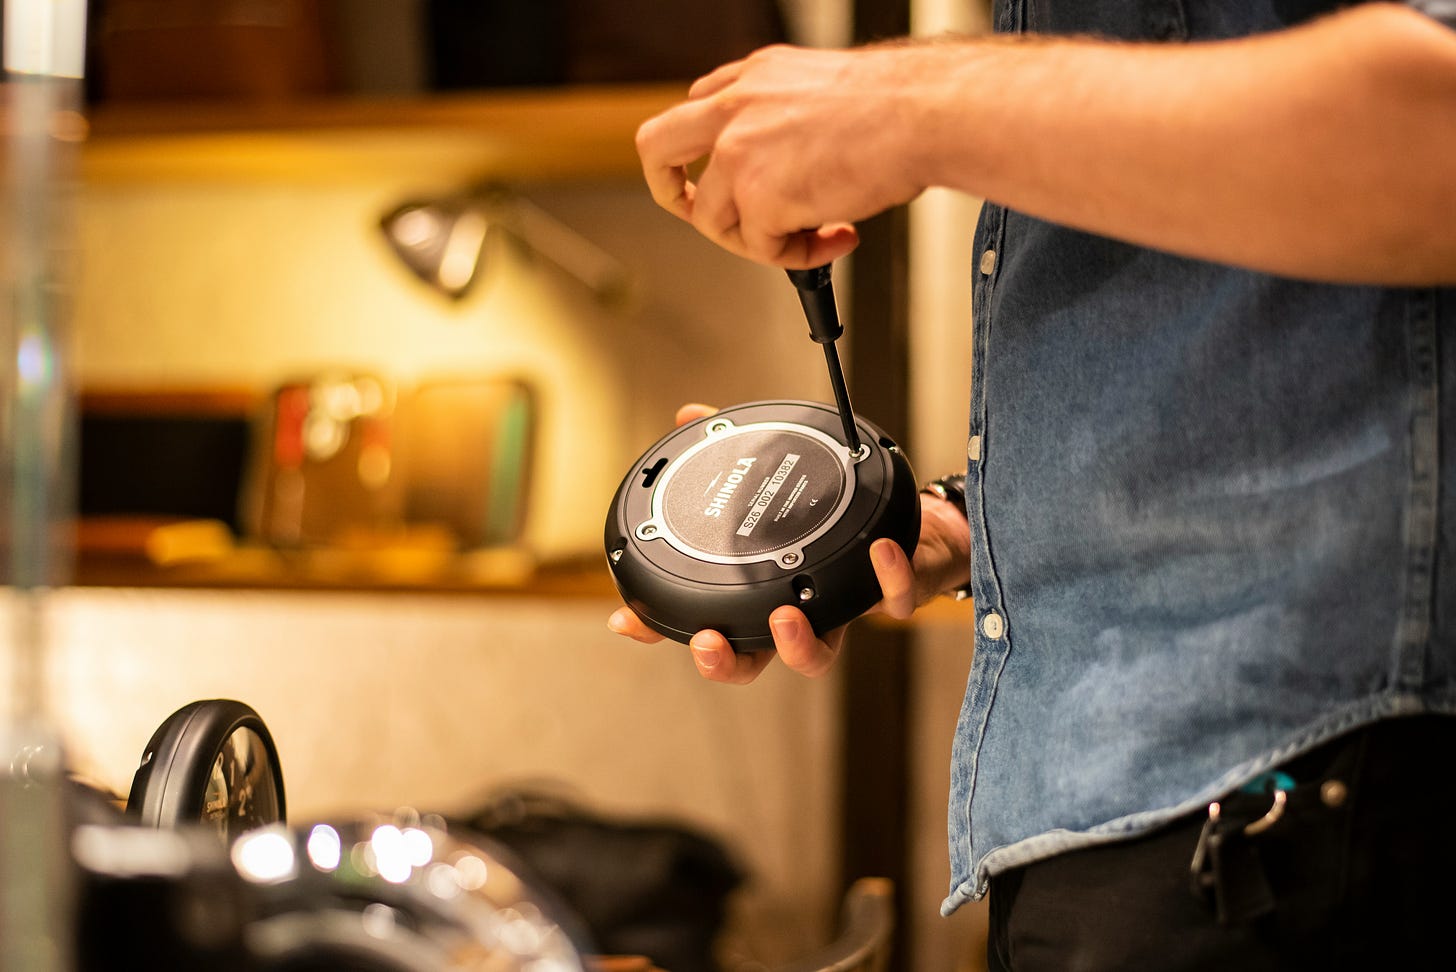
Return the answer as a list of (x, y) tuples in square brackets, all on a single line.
[(1326, 151)]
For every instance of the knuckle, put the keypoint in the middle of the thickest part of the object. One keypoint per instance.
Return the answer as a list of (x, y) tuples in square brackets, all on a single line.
[(644, 135), (730, 150), (770, 52)]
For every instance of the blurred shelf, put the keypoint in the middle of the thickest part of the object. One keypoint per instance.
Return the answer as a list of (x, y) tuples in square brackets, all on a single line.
[(270, 570), (139, 551), (515, 135)]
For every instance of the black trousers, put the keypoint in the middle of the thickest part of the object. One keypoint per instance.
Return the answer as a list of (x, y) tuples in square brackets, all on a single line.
[(1355, 871)]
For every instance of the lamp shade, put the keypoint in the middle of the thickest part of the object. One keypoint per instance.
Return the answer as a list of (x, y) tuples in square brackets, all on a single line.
[(441, 241)]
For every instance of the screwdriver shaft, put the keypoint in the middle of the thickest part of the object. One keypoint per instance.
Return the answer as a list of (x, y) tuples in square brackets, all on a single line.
[(841, 396)]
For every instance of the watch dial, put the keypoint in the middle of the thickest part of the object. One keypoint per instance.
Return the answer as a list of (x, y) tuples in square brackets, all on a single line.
[(242, 790)]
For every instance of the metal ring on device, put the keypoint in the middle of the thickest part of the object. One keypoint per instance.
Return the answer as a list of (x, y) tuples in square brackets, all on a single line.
[(1276, 811)]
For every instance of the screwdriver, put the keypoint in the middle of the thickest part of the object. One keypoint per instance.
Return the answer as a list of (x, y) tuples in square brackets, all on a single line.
[(816, 294)]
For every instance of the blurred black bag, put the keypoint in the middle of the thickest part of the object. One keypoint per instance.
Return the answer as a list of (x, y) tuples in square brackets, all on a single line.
[(641, 887), (498, 43)]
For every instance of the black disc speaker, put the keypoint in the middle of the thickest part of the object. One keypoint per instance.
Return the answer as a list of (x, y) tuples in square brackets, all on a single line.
[(759, 505)]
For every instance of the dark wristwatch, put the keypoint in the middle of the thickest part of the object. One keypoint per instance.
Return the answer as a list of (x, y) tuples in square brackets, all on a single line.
[(949, 488), (952, 489)]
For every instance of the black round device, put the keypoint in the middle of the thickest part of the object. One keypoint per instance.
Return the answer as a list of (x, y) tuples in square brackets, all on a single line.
[(756, 506), (212, 761)]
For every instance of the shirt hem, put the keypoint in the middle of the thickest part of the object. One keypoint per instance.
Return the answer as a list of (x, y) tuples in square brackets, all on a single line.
[(1053, 842)]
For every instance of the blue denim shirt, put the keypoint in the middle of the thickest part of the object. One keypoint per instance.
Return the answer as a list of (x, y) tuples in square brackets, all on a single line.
[(1212, 512)]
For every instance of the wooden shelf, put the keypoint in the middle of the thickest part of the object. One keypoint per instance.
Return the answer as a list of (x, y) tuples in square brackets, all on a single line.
[(533, 135), (502, 573)]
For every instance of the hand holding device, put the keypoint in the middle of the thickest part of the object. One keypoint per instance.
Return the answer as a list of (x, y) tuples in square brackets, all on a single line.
[(761, 505)]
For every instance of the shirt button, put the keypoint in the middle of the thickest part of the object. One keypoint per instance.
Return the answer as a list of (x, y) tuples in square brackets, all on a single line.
[(992, 626), (988, 263), (973, 448)]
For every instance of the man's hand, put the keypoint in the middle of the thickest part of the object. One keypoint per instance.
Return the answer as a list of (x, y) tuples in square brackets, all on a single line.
[(794, 638), (799, 144), (941, 563)]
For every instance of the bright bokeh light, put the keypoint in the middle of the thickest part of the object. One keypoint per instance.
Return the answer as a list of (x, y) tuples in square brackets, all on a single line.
[(471, 872), (325, 848), (391, 854), (264, 857), (441, 881), (419, 848)]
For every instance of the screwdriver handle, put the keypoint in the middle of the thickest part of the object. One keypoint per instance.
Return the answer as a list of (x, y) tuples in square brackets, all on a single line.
[(816, 293)]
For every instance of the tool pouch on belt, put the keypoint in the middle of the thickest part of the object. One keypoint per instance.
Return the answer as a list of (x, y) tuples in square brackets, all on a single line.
[(1278, 842)]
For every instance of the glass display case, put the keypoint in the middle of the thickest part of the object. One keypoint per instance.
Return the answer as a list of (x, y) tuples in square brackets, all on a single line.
[(41, 125)]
